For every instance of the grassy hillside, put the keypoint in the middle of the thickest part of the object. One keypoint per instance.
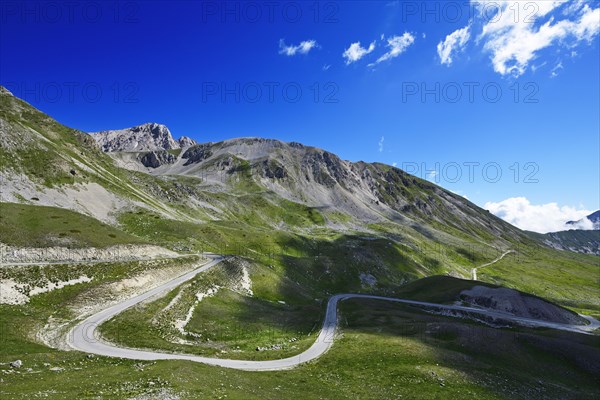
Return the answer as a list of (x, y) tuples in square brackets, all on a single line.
[(38, 226)]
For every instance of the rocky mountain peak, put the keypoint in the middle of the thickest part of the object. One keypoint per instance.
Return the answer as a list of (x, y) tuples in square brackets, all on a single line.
[(185, 141), (146, 137)]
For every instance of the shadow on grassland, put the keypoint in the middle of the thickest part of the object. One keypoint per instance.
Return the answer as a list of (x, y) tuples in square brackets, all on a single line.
[(519, 363)]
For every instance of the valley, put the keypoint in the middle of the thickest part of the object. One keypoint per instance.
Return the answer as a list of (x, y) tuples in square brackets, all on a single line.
[(284, 270)]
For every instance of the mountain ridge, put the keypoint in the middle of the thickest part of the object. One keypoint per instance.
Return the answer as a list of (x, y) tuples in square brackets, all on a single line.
[(145, 137), (315, 177)]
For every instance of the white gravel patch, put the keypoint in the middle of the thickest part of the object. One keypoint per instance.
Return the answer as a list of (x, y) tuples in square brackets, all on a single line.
[(15, 255), (59, 285), (246, 283), (16, 293), (180, 324), (9, 294)]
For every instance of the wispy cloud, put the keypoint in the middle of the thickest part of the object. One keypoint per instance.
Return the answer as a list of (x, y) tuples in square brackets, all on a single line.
[(380, 144), (397, 45), (291, 50), (355, 52), (557, 67), (453, 43)]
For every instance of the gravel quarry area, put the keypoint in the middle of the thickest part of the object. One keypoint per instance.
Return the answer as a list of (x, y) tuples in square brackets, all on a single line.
[(11, 255), (516, 303)]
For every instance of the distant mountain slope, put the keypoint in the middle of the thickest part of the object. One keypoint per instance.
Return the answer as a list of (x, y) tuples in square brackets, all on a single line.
[(594, 218), (576, 240), (145, 137)]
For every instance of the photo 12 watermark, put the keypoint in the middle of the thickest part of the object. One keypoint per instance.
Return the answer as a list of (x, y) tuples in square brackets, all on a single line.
[(70, 12), (470, 92), (75, 92), (460, 11), (270, 12), (269, 92), (474, 171)]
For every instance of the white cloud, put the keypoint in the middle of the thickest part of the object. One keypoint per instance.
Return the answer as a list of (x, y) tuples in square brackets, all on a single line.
[(355, 52), (303, 48), (397, 45), (584, 224), (394, 164), (381, 144), (540, 218), (326, 67), (515, 32), (430, 175), (453, 43), (519, 30)]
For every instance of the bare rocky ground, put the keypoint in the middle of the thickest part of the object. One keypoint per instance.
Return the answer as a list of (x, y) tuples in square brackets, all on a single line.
[(87, 198), (17, 293)]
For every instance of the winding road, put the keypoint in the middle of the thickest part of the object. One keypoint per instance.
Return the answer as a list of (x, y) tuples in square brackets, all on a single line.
[(474, 270), (85, 336)]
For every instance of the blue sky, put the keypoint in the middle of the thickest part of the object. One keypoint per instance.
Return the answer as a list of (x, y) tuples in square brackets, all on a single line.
[(410, 83)]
